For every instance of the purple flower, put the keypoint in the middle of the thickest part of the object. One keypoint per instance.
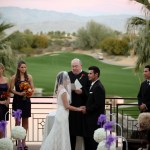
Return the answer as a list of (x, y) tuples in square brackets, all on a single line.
[(109, 125), (109, 140), (101, 119), (3, 127), (17, 114)]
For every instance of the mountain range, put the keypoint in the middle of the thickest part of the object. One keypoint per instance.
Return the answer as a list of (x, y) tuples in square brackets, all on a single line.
[(45, 21)]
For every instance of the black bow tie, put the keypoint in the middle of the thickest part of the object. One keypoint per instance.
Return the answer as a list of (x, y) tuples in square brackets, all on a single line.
[(148, 82)]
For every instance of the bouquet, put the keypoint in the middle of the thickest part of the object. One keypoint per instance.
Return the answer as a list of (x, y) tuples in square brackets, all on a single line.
[(4, 95), (6, 144), (26, 87), (99, 135), (18, 132)]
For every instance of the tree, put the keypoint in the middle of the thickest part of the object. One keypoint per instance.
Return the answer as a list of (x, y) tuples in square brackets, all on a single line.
[(40, 41), (3, 27), (6, 55), (141, 26), (92, 35), (115, 46), (18, 40)]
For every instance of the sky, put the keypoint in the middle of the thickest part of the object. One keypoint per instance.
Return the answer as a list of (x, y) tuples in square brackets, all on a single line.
[(79, 7)]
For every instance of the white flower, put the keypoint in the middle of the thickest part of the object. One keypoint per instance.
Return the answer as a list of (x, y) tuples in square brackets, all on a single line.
[(99, 135), (6, 144), (144, 121), (102, 146), (18, 132)]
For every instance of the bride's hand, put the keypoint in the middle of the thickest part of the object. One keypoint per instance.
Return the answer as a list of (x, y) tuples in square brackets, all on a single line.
[(78, 91), (83, 109)]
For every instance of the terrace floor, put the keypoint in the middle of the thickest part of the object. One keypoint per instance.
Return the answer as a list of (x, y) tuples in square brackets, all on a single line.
[(37, 147)]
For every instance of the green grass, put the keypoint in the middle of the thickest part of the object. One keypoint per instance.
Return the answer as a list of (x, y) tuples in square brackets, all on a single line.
[(130, 111), (116, 80)]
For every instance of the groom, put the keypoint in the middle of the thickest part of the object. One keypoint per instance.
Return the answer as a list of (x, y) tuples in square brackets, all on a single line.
[(95, 106), (79, 97)]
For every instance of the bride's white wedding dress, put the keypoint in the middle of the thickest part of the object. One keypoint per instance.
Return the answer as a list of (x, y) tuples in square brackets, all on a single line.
[(59, 138)]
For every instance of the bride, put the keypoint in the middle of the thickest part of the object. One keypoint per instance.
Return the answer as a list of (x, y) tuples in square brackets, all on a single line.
[(59, 138)]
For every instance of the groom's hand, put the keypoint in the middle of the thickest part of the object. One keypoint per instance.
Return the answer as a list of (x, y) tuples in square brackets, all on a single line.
[(83, 109), (78, 91)]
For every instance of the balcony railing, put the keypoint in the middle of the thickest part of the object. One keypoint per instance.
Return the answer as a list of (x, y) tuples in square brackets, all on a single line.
[(122, 110)]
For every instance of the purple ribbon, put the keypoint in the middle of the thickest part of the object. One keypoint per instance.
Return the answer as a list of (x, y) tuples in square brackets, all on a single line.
[(109, 125), (17, 114), (109, 140), (101, 120), (3, 127)]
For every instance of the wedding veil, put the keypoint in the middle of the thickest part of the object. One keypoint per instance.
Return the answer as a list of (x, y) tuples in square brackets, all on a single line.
[(62, 81)]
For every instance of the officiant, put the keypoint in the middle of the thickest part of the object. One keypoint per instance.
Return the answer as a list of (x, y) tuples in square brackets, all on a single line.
[(80, 88)]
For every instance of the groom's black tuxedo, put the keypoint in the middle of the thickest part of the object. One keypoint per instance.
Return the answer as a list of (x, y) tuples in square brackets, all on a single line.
[(144, 95), (95, 106)]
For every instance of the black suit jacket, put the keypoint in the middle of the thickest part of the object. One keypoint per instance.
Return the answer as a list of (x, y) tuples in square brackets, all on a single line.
[(144, 95), (95, 106)]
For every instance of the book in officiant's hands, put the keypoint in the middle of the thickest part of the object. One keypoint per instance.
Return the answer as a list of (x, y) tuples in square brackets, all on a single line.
[(76, 85)]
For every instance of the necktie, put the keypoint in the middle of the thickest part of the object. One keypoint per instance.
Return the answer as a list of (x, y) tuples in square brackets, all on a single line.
[(148, 82)]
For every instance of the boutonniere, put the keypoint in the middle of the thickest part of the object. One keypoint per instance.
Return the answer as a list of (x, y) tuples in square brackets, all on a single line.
[(82, 75)]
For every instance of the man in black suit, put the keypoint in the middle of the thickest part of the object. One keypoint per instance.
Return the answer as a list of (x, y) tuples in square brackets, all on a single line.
[(144, 92), (79, 98), (95, 106)]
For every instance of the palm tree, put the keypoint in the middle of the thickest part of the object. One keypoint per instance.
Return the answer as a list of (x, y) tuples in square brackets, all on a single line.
[(141, 26), (3, 27), (6, 54)]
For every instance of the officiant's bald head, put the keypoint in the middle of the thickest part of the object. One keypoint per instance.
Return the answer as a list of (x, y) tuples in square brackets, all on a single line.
[(76, 66)]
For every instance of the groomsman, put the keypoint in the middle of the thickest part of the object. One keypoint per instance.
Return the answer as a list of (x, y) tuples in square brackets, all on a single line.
[(95, 106), (79, 98), (144, 92)]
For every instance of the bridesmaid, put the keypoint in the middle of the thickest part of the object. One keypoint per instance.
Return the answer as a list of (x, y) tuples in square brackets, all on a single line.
[(4, 96), (21, 100)]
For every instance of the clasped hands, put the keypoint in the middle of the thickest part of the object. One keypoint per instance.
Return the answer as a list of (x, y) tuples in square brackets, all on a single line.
[(83, 109), (78, 91)]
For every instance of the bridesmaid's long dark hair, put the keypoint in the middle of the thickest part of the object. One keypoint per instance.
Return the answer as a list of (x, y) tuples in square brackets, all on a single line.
[(18, 72)]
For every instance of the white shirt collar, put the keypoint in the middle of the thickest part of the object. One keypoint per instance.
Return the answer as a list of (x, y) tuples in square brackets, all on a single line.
[(93, 82)]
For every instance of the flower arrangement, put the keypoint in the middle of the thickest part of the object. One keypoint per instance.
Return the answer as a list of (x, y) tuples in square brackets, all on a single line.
[(17, 114), (4, 95), (6, 144), (82, 75), (3, 127), (18, 132), (26, 87), (103, 135), (100, 135), (102, 146)]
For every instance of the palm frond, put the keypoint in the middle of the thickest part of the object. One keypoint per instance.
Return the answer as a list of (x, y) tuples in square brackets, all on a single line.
[(142, 48), (4, 26), (145, 3), (137, 21)]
